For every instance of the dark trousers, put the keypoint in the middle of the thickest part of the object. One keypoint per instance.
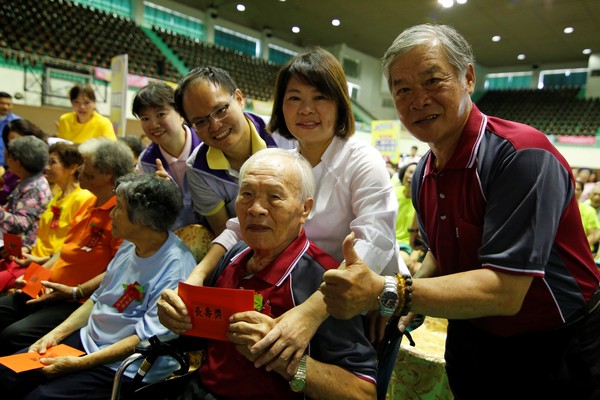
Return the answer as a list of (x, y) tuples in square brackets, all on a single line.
[(21, 324), (93, 384), (558, 364)]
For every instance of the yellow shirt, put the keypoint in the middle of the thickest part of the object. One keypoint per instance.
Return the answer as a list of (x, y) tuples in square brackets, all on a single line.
[(52, 235), (98, 126)]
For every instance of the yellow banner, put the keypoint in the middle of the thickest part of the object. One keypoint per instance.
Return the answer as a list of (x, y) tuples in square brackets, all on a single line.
[(385, 135)]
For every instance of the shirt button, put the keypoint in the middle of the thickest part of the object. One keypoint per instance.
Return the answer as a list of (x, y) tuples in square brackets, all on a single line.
[(443, 217), (442, 196)]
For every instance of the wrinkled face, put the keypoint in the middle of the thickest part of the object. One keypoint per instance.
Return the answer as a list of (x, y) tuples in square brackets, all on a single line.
[(410, 171), (56, 172), (309, 115), (202, 101), (161, 124), (432, 102), (6, 105), (122, 227), (92, 179), (83, 107), (268, 206)]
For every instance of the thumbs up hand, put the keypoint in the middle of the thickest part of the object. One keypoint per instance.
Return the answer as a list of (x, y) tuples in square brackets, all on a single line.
[(161, 172), (351, 288)]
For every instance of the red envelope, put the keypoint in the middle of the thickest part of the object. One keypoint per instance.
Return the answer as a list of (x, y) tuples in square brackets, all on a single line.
[(210, 308), (34, 275), (12, 244), (28, 361)]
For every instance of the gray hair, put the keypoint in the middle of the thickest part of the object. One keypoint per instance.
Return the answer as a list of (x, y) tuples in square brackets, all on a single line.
[(109, 157), (30, 151), (150, 201), (302, 167), (457, 49)]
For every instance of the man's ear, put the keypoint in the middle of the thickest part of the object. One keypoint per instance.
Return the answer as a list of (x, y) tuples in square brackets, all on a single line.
[(470, 79), (308, 205)]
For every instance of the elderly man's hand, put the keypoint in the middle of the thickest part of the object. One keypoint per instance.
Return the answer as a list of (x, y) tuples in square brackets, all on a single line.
[(249, 327), (172, 312), (353, 287)]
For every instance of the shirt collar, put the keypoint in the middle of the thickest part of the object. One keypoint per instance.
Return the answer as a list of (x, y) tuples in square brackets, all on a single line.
[(468, 143), (217, 160), (278, 271)]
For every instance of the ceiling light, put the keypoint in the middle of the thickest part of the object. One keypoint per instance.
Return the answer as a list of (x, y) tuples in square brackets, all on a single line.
[(568, 29), (335, 22), (587, 51), (521, 56), (241, 7), (296, 29), (496, 38), (446, 3), (461, 1)]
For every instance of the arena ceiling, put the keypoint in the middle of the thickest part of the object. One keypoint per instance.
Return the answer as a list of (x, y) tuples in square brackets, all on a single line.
[(530, 27)]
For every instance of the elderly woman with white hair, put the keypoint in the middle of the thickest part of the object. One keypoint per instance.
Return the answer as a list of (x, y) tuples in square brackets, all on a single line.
[(122, 311)]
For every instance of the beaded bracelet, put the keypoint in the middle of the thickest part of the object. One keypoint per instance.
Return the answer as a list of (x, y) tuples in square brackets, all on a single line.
[(405, 290)]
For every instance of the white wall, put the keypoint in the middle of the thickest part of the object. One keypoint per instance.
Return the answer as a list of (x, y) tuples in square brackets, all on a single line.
[(593, 82)]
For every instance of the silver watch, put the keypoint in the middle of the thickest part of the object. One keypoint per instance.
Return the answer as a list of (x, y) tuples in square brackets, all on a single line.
[(389, 299)]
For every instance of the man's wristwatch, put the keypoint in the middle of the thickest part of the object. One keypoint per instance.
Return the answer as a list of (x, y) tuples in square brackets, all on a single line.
[(298, 382), (389, 299)]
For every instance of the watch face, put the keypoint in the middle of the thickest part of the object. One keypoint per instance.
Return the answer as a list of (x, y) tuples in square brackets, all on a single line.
[(389, 300), (297, 384)]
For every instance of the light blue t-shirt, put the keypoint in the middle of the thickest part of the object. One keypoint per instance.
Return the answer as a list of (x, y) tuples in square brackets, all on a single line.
[(172, 263)]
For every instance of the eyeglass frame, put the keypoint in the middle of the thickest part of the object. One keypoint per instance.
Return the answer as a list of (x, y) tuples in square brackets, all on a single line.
[(224, 108)]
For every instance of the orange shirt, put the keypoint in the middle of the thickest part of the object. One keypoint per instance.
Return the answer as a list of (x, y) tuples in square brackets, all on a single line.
[(89, 246)]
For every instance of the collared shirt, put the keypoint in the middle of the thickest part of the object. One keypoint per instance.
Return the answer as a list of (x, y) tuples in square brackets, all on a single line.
[(177, 164), (505, 201), (147, 164), (213, 183), (289, 280), (90, 223)]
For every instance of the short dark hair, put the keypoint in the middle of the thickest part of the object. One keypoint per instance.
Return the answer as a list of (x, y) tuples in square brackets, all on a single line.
[(403, 169), (217, 76), (67, 152), (85, 90), (5, 95), (153, 95), (150, 201), (24, 128), (319, 68), (30, 151)]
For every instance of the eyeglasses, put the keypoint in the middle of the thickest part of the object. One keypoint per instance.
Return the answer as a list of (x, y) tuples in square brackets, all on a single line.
[(202, 124)]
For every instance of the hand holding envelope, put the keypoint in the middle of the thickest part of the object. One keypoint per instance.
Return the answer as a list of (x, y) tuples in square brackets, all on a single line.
[(210, 308)]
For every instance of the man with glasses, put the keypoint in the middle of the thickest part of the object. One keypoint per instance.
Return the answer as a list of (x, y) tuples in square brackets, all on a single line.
[(210, 102)]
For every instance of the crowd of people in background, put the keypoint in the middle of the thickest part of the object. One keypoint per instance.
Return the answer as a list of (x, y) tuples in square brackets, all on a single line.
[(342, 244)]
